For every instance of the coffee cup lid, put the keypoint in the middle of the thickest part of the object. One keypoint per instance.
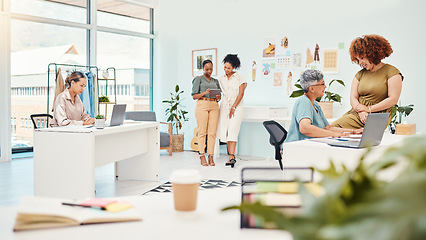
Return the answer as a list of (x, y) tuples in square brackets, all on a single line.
[(185, 176)]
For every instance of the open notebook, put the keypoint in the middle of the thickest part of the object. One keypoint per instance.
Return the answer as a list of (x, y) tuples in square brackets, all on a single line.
[(41, 212)]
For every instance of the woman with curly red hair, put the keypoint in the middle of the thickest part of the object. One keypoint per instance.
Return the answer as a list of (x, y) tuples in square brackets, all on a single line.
[(376, 87)]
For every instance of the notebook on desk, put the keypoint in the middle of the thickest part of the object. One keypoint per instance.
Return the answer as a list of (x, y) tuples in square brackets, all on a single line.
[(372, 135), (117, 117)]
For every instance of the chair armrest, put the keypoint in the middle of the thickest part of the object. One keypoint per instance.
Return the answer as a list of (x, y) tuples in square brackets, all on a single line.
[(170, 125)]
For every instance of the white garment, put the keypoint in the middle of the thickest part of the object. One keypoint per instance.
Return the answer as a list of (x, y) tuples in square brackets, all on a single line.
[(228, 129)]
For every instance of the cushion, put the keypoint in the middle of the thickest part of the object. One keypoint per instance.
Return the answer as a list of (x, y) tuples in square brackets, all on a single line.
[(164, 139)]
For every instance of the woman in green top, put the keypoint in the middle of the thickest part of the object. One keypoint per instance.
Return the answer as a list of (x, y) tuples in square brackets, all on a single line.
[(375, 88), (206, 111)]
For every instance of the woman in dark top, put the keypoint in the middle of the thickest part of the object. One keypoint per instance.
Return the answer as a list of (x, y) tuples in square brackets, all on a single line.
[(206, 111)]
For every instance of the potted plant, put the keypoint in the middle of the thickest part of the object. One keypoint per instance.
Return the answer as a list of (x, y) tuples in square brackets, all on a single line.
[(176, 115), (103, 98), (397, 113), (357, 204), (326, 101), (100, 121)]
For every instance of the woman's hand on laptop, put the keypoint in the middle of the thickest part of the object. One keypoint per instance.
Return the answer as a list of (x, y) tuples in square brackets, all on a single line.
[(363, 116), (358, 131)]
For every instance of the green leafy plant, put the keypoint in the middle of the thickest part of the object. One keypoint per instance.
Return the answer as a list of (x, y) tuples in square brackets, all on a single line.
[(174, 112), (357, 204), (397, 113), (328, 96), (99, 117), (103, 98)]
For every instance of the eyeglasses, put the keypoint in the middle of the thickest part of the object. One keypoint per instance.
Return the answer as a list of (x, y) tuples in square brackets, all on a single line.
[(322, 84)]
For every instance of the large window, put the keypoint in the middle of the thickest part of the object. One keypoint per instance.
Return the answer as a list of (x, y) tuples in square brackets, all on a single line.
[(34, 46), (120, 15), (51, 9), (59, 31)]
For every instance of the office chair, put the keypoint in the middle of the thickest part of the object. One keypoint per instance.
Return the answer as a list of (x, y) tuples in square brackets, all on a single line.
[(277, 136), (165, 137), (43, 118)]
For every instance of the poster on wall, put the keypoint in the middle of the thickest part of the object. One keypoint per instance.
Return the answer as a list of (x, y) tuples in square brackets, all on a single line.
[(198, 56), (267, 68), (278, 79), (284, 44), (297, 60), (313, 58), (283, 62), (289, 83), (253, 70), (331, 61), (268, 47), (291, 78)]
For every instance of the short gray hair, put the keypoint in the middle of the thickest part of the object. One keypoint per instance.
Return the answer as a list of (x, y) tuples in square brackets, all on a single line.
[(309, 78)]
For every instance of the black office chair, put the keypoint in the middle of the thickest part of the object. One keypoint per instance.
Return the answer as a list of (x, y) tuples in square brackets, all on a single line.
[(43, 119), (277, 136)]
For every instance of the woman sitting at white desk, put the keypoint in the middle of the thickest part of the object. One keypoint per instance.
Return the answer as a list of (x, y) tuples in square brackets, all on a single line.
[(307, 119), (68, 108)]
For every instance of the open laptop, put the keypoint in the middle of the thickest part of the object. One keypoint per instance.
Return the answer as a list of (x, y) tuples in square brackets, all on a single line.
[(117, 117), (372, 135)]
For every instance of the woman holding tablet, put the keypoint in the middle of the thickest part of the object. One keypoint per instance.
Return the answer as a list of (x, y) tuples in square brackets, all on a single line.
[(231, 109), (205, 89)]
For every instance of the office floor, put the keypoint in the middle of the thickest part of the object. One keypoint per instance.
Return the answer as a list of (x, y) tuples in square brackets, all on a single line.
[(16, 177)]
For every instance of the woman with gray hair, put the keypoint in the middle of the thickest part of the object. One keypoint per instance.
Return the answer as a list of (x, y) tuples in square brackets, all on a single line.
[(308, 120)]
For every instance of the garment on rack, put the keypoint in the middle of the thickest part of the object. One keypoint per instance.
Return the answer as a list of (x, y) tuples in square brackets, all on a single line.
[(87, 96), (96, 94), (60, 85)]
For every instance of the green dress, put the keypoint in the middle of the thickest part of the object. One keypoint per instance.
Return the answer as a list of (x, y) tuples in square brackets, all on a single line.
[(372, 89)]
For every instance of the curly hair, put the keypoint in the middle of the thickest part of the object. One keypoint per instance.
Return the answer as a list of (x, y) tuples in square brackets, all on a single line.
[(373, 47), (233, 60)]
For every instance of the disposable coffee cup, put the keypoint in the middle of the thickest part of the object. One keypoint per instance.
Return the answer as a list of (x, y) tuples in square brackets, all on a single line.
[(185, 184)]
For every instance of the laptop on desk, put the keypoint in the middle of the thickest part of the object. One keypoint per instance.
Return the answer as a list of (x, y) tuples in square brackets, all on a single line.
[(117, 117), (372, 135)]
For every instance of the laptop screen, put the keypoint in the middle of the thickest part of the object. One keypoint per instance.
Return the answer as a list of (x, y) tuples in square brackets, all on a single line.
[(118, 113)]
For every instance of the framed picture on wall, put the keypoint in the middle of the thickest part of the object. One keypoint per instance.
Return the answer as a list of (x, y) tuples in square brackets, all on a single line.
[(198, 56)]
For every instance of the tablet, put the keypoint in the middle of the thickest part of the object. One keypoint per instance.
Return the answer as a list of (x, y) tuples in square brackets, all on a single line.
[(214, 92)]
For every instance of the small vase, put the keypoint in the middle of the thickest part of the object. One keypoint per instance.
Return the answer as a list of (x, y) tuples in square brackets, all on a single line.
[(100, 123)]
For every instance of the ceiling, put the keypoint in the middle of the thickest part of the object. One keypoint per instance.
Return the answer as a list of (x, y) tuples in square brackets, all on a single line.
[(112, 6)]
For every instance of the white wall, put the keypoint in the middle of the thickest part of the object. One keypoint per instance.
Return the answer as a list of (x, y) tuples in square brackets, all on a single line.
[(238, 26)]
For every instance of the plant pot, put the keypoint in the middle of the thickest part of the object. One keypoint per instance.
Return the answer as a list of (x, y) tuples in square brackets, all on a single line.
[(100, 123), (177, 143), (327, 109)]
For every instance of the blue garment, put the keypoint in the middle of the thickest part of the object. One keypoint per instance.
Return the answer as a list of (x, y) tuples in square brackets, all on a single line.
[(87, 96), (303, 109)]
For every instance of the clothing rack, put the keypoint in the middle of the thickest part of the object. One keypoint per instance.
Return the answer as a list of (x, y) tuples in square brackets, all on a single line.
[(87, 67)]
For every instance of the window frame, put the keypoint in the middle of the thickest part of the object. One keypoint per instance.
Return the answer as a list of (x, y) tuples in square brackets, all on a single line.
[(91, 52)]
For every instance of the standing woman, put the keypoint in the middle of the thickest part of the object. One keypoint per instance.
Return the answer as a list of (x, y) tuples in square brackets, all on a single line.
[(68, 108), (231, 108), (376, 87), (206, 111)]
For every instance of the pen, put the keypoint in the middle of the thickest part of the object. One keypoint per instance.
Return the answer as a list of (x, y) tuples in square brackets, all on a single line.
[(79, 205)]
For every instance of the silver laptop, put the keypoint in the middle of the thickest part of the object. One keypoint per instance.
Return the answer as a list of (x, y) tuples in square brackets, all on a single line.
[(372, 135), (117, 117)]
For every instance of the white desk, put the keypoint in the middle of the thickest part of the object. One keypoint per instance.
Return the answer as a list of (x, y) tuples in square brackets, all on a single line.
[(308, 153), (159, 221), (65, 158)]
